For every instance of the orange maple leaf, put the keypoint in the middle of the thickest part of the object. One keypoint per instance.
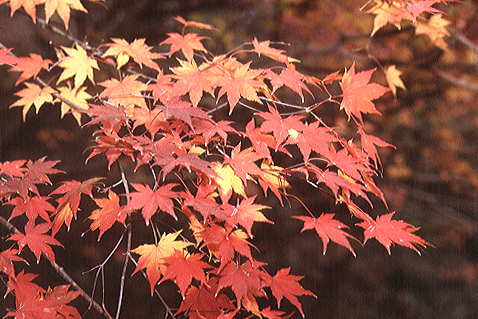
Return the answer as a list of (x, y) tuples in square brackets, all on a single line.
[(358, 93), (127, 92), (109, 212), (33, 95), (385, 12), (28, 5), (153, 257), (240, 82), (138, 50), (246, 213), (389, 232), (186, 43), (265, 49), (30, 66)]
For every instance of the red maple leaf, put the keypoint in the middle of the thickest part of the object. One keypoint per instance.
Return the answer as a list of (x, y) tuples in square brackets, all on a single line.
[(203, 301), (240, 278), (6, 58), (328, 229), (150, 201), (290, 78), (347, 163), (285, 285), (110, 115), (183, 268), (13, 168), (358, 93), (36, 240), (109, 212), (7, 257), (190, 161), (368, 145), (182, 110), (32, 206), (389, 232), (186, 43), (312, 138), (280, 127), (24, 288), (69, 202), (208, 128), (38, 171)]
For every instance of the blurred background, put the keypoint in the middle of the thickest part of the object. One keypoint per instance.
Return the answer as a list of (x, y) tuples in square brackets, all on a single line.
[(430, 179)]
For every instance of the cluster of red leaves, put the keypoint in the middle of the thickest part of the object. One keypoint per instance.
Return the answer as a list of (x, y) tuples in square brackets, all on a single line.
[(18, 187), (167, 124)]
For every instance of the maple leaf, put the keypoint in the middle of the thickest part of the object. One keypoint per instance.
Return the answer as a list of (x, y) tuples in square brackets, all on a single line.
[(5, 57), (77, 64), (223, 242), (435, 29), (36, 240), (33, 95), (138, 50), (328, 229), (28, 5), (111, 116), (7, 257), (60, 297), (246, 213), (30, 66), (153, 256), (290, 78), (151, 200), (76, 96), (13, 168), (227, 182), (241, 82), (358, 93), (190, 80), (385, 12), (69, 202), (273, 314), (417, 7), (278, 126), (208, 128), (62, 7), (182, 110), (285, 285), (188, 160), (194, 24), (183, 268), (369, 142), (109, 212), (243, 163), (392, 75), (23, 287), (240, 278), (388, 232), (37, 171), (203, 301), (265, 49), (127, 91), (186, 43), (162, 87), (312, 138), (33, 207)]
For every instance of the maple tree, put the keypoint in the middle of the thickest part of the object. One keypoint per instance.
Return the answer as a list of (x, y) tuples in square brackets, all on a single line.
[(202, 167)]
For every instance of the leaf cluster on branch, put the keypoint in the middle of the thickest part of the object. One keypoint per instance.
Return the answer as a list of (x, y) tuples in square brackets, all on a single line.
[(202, 165)]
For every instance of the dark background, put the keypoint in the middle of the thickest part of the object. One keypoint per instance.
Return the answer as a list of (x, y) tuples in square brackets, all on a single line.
[(430, 179)]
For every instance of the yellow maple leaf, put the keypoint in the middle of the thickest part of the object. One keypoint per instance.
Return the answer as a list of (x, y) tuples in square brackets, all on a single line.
[(77, 64), (227, 182), (62, 7), (153, 256), (33, 95), (392, 76), (77, 96), (385, 12), (138, 50), (435, 28)]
